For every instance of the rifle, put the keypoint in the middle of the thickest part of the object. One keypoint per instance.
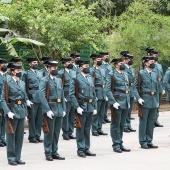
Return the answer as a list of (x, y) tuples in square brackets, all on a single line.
[(26, 87), (45, 124), (139, 106), (78, 123), (63, 79), (113, 115), (10, 129)]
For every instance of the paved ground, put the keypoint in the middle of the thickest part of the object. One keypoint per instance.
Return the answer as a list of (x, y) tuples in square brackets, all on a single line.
[(137, 159)]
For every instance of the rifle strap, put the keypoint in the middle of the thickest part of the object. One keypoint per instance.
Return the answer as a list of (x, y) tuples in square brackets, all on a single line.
[(76, 87), (63, 78), (139, 82), (48, 89)]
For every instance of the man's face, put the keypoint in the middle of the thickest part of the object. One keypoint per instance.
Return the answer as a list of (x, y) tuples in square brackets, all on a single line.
[(76, 59), (67, 63), (16, 71), (2, 65), (84, 66), (33, 63), (52, 68), (104, 57), (118, 65), (96, 60), (149, 62)]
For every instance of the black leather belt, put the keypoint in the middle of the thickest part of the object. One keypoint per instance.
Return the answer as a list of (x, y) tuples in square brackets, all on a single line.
[(55, 100), (18, 102), (99, 85), (34, 88), (122, 91), (66, 85), (85, 100), (151, 93)]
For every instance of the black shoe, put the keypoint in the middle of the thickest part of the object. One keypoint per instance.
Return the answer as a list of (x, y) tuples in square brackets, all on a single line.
[(107, 120), (66, 138), (126, 130), (4, 142), (49, 158), (19, 162), (95, 134), (157, 124), (131, 129), (132, 118), (125, 149), (2, 145), (144, 147), (33, 141), (39, 140), (81, 154), (118, 150), (103, 122), (72, 137), (102, 133), (58, 157), (12, 163), (152, 146), (88, 153)]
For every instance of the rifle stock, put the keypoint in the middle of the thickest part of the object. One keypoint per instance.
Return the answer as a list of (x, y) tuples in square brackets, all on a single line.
[(45, 125), (29, 113), (78, 123), (10, 129), (113, 116)]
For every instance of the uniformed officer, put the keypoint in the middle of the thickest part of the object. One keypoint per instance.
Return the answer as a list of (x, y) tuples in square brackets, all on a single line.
[(54, 108), (3, 70), (86, 106), (166, 82), (107, 67), (32, 84), (128, 60), (117, 85), (147, 86), (14, 106), (67, 74), (159, 71), (75, 58), (100, 88), (44, 70), (18, 60)]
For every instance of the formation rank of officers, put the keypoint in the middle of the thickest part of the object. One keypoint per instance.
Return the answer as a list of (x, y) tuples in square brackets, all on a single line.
[(78, 96)]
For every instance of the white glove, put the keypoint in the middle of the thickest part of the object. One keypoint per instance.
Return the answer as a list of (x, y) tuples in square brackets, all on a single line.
[(96, 98), (141, 101), (94, 112), (64, 113), (116, 105), (163, 92), (11, 115), (80, 110), (29, 103), (65, 99), (50, 114), (26, 118), (106, 98)]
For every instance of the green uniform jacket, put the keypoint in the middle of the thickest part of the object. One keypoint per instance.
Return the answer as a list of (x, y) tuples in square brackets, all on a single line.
[(44, 72), (68, 78), (56, 92), (15, 92), (159, 71), (76, 69), (121, 82), (33, 82), (131, 74), (100, 79), (166, 82), (86, 90), (107, 68), (148, 84)]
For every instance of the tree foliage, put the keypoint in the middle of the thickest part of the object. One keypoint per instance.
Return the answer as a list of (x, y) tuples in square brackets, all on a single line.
[(61, 27), (138, 28)]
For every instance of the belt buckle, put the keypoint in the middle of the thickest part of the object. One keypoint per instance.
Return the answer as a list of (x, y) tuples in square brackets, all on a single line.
[(126, 91), (131, 84), (152, 93), (103, 85), (159, 79), (58, 100), (90, 100), (19, 102)]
